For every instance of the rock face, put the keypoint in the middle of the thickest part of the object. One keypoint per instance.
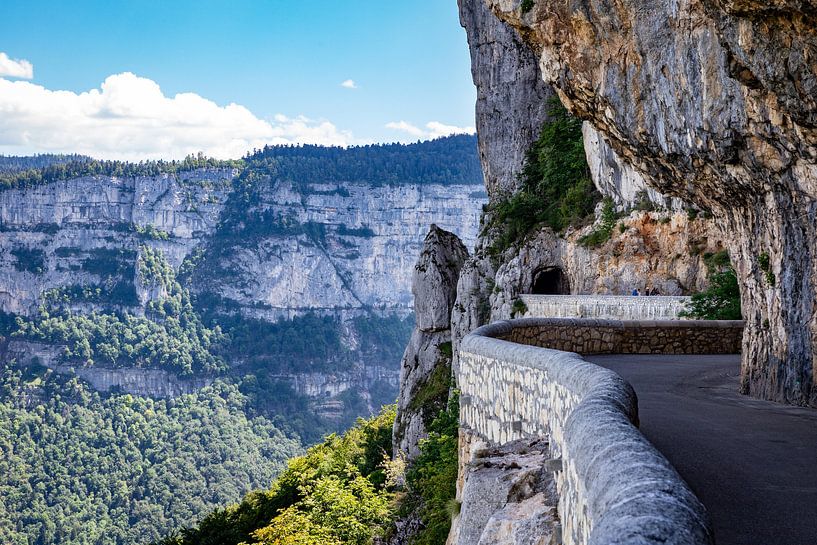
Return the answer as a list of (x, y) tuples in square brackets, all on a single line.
[(511, 96), (508, 496), (663, 251), (426, 367), (713, 101), (616, 178), (510, 110), (65, 233), (359, 254)]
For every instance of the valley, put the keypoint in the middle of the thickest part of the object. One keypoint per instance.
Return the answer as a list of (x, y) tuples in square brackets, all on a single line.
[(275, 290)]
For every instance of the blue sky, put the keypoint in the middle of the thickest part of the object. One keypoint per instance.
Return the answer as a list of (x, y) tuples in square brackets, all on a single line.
[(408, 61)]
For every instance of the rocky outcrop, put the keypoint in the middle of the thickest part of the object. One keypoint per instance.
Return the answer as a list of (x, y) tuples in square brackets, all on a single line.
[(507, 495), (425, 372), (511, 96), (510, 110), (713, 102)]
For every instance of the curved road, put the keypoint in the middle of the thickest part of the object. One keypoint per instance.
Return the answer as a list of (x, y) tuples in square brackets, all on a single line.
[(752, 463)]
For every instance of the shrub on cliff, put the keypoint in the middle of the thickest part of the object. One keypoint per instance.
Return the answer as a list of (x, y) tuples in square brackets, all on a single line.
[(341, 492), (557, 190), (431, 480), (602, 232)]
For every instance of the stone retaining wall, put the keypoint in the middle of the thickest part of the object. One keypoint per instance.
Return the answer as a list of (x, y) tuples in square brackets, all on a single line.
[(614, 486), (629, 336), (609, 307)]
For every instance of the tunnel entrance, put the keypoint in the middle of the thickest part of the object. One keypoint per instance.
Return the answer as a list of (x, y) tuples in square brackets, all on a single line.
[(551, 281)]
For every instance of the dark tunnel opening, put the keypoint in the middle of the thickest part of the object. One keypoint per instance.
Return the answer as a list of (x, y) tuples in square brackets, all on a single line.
[(550, 281)]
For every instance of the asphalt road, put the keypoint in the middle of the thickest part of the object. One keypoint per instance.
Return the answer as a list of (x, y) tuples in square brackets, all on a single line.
[(752, 463)]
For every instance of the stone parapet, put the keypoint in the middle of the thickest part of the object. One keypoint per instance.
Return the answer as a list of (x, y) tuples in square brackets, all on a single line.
[(610, 307), (614, 486)]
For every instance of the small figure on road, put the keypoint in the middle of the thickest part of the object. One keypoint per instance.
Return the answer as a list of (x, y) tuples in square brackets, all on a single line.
[(636, 292)]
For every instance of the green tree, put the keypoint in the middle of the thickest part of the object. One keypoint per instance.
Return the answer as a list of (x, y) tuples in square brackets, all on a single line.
[(721, 301)]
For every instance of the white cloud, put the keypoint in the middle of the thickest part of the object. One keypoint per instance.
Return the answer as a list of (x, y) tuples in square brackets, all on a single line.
[(304, 130), (405, 127), (15, 68), (433, 129), (130, 118), (349, 84)]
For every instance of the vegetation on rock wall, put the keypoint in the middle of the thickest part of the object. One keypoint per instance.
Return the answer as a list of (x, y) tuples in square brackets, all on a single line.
[(431, 479), (80, 468), (171, 336), (602, 232), (557, 190), (310, 344), (29, 259)]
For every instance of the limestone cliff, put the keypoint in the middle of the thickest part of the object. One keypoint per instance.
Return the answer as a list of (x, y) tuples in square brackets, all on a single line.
[(339, 250), (425, 370), (358, 253), (76, 231), (713, 101), (511, 96), (52, 236), (662, 249)]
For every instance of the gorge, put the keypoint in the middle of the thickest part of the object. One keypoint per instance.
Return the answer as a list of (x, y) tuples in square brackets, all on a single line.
[(255, 308)]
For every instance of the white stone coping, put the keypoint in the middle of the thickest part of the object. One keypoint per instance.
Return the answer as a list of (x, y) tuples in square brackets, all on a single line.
[(647, 307)]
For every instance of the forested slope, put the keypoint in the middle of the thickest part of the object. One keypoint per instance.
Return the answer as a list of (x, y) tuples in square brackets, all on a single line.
[(80, 468)]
